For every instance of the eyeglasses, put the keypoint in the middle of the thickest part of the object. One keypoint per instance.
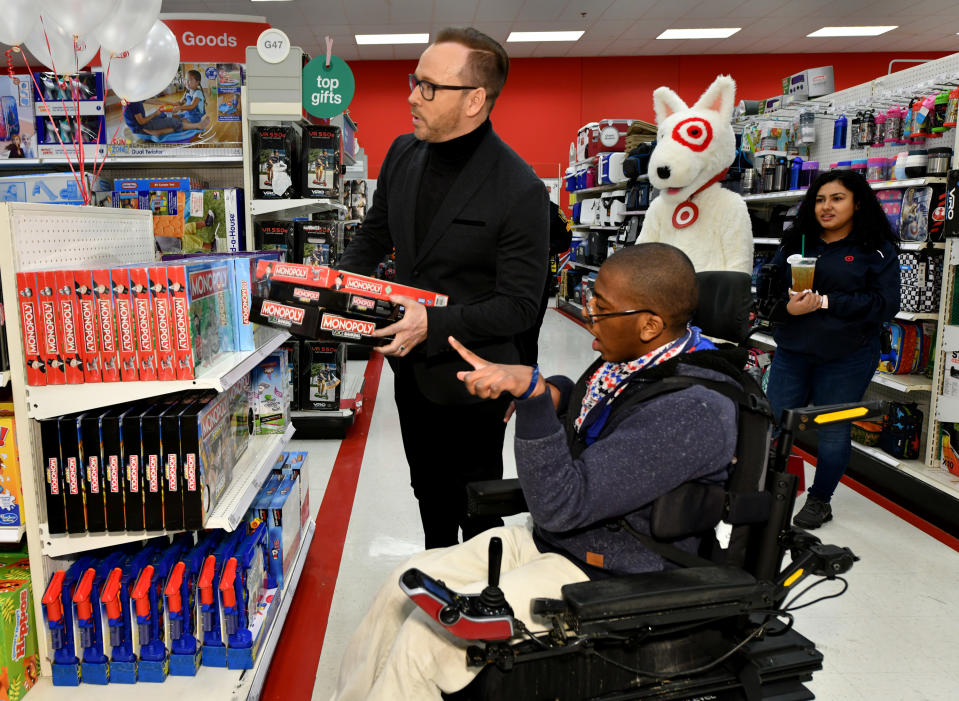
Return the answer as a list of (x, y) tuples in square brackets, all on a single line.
[(592, 318), (428, 89)]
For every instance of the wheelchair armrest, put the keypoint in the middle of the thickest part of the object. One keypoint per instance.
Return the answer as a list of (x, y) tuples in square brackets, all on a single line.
[(669, 597), (495, 498)]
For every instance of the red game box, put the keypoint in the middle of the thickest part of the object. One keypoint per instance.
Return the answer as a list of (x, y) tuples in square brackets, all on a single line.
[(126, 325), (89, 339), (106, 324), (51, 350), (70, 321), (146, 329), (180, 317), (320, 276), (30, 325), (162, 317)]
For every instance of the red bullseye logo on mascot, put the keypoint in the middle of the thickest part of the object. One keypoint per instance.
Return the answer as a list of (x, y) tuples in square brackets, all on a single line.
[(694, 133), (685, 214)]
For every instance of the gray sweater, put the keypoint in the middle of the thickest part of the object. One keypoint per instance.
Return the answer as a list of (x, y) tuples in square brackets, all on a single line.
[(661, 443)]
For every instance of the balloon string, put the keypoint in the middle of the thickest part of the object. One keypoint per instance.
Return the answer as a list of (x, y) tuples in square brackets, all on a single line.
[(106, 84), (50, 117), (9, 53)]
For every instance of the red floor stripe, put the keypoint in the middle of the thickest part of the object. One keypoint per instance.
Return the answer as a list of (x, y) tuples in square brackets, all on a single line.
[(293, 670), (574, 319), (891, 506)]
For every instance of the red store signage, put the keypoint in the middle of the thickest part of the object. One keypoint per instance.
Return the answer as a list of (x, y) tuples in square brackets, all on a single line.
[(208, 39)]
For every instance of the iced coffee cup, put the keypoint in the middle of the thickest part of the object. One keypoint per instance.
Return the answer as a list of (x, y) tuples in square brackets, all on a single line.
[(803, 272)]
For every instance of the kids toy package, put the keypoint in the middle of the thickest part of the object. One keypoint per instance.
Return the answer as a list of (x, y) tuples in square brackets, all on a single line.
[(11, 494), (275, 236), (269, 394), (198, 111), (322, 374), (19, 663), (17, 128)]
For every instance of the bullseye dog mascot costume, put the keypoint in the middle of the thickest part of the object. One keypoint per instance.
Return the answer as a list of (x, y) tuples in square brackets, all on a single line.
[(694, 148)]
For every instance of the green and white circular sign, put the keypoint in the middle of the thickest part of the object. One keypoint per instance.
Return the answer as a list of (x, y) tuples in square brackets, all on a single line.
[(327, 91)]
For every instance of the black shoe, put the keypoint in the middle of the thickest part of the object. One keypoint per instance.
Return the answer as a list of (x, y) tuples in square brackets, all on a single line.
[(813, 514)]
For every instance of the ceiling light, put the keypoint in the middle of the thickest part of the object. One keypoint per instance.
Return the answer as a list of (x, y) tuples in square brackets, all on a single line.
[(706, 33), (852, 31), (392, 39), (545, 36)]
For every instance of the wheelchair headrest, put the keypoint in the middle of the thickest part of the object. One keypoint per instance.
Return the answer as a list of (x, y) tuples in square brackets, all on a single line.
[(725, 303)]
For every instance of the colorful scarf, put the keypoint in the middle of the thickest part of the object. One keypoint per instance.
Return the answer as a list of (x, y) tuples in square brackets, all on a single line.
[(607, 381)]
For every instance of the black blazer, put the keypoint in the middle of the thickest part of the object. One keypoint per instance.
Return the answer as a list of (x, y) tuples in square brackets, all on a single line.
[(487, 248)]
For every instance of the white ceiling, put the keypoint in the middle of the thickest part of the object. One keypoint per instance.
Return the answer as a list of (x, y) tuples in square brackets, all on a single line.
[(613, 27)]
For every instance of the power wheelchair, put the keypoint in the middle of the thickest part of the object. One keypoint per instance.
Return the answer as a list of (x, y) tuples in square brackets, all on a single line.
[(717, 626)]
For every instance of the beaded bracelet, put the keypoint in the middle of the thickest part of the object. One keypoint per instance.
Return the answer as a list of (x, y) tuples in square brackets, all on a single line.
[(532, 384)]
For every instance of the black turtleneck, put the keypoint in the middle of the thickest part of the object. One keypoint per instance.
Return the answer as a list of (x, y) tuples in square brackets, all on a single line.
[(444, 162)]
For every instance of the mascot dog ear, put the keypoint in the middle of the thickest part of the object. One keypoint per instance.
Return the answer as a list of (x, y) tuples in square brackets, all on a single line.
[(719, 98), (667, 103)]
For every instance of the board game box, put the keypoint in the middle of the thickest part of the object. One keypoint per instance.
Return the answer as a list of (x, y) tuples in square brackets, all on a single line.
[(106, 324), (125, 324), (143, 315), (31, 328), (89, 336), (51, 350), (72, 474), (269, 394), (163, 323), (319, 276), (320, 160), (53, 476), (275, 236), (66, 295), (91, 443), (11, 493)]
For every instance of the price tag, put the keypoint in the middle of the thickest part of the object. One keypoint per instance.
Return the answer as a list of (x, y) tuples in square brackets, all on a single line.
[(273, 45)]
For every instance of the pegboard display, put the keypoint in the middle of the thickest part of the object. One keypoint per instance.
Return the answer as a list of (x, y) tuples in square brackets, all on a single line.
[(56, 236)]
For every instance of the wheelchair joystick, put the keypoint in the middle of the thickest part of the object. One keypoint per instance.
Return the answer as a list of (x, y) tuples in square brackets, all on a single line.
[(492, 596)]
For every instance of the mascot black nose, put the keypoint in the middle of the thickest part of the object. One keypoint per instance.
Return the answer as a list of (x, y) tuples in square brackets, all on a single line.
[(663, 172)]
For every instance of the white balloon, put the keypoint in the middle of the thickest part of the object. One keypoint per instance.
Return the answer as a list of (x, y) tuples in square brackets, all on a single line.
[(146, 69), (65, 53), (128, 25), (17, 19), (77, 16)]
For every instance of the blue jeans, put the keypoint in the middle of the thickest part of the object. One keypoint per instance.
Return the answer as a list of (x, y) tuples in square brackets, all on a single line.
[(797, 380)]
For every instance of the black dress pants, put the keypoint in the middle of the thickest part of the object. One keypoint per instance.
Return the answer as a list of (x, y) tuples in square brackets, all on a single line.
[(448, 446)]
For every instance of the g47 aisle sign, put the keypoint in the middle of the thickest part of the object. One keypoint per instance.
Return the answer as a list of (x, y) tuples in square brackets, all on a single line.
[(327, 91)]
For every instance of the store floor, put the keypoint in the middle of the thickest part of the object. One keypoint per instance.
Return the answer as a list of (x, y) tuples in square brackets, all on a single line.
[(891, 636)]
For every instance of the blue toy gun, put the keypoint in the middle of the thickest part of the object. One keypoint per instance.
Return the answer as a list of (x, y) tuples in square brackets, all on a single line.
[(233, 589), (180, 593), (147, 596), (57, 602), (214, 650), (86, 600)]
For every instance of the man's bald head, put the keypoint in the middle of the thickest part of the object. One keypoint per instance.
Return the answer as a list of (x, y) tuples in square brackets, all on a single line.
[(660, 277)]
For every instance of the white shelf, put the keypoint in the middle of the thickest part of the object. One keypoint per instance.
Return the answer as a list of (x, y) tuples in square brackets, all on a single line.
[(595, 227), (919, 245), (767, 241), (938, 477), (918, 316), (634, 212), (249, 475), (11, 534), (210, 683), (903, 383), (763, 338), (4, 378), (784, 196), (280, 205), (56, 400), (577, 264), (885, 458), (600, 188), (910, 182)]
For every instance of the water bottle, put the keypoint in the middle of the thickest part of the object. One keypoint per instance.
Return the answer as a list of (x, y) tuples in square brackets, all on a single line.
[(794, 172), (839, 132)]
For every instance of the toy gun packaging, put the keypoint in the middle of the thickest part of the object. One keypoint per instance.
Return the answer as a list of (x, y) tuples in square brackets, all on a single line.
[(242, 587), (94, 664), (58, 614), (208, 600), (180, 595), (147, 606), (294, 465)]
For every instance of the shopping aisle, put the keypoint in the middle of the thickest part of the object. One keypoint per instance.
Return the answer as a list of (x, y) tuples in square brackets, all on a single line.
[(891, 636)]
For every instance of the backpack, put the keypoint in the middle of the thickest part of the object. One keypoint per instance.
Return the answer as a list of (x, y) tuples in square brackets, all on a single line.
[(905, 352), (900, 434)]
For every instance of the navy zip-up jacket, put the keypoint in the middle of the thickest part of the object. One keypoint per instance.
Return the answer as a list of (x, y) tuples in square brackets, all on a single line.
[(863, 290)]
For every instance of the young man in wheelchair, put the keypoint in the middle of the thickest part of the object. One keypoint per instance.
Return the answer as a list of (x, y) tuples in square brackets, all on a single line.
[(591, 456)]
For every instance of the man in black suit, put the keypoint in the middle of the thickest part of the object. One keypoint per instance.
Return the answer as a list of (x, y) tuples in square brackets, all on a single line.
[(467, 218)]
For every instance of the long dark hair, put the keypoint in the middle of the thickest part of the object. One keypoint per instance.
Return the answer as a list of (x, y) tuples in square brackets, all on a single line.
[(870, 227)]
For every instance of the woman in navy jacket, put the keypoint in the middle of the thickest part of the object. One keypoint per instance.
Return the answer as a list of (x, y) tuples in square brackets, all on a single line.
[(828, 338)]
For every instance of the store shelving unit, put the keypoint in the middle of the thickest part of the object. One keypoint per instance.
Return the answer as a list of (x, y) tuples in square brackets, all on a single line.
[(249, 474), (791, 195), (4, 378), (34, 237), (334, 423), (12, 534), (45, 402), (210, 683)]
